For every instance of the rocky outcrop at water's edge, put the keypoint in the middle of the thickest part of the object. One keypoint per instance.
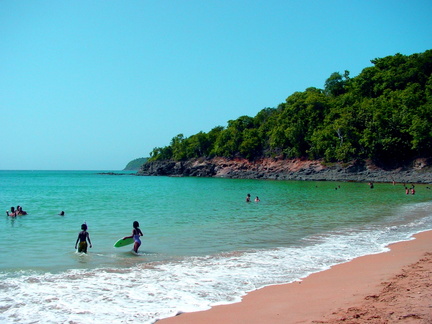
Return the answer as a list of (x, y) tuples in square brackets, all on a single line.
[(420, 171)]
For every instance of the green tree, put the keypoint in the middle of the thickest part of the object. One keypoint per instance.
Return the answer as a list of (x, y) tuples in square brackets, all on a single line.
[(335, 84)]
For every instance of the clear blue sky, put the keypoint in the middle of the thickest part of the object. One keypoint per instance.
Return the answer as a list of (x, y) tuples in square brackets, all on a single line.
[(91, 85)]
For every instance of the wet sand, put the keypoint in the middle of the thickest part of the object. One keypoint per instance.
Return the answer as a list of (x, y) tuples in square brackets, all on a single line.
[(390, 287)]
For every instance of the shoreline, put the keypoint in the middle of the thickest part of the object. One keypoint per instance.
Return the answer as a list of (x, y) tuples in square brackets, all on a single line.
[(377, 288)]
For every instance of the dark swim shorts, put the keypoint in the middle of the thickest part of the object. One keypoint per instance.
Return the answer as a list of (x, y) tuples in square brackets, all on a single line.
[(82, 247)]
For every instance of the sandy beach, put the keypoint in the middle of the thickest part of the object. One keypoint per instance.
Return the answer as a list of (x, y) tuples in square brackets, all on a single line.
[(390, 287)]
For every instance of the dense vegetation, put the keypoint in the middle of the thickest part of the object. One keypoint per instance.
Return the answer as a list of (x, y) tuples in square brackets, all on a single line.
[(135, 164), (384, 114)]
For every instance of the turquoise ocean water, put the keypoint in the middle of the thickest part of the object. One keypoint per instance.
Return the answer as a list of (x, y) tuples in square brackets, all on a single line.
[(203, 245)]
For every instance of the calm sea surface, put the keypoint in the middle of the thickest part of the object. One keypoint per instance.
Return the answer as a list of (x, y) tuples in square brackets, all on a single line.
[(203, 245)]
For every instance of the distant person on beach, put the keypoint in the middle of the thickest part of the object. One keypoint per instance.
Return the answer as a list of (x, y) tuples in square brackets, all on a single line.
[(83, 237), (248, 198), (257, 199), (136, 233), (407, 190), (12, 212)]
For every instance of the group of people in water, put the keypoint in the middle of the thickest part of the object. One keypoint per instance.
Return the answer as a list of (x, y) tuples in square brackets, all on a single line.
[(16, 212), (248, 198), (410, 190), (20, 212), (84, 236)]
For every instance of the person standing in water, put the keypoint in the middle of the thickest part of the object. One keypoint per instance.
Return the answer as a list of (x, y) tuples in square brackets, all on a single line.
[(136, 233), (20, 211), (83, 237), (12, 212)]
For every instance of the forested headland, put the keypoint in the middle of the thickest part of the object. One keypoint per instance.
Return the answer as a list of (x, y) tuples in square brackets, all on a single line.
[(383, 115), (135, 164)]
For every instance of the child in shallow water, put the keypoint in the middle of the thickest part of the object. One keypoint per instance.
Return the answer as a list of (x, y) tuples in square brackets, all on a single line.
[(83, 237), (136, 233)]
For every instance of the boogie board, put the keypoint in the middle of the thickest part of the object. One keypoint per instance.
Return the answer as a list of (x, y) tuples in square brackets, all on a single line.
[(125, 242)]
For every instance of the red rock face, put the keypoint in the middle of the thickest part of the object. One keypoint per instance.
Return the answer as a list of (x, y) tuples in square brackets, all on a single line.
[(289, 169)]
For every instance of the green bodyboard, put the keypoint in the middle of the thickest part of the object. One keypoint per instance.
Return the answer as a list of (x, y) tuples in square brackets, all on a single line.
[(122, 242)]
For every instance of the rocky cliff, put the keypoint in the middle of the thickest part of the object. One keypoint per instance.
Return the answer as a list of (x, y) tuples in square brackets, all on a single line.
[(420, 171)]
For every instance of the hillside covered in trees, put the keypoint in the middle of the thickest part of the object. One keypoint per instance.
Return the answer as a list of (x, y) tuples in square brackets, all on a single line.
[(384, 115), (135, 164)]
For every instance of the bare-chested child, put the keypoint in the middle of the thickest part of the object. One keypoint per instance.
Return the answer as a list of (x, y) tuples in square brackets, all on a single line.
[(83, 237)]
